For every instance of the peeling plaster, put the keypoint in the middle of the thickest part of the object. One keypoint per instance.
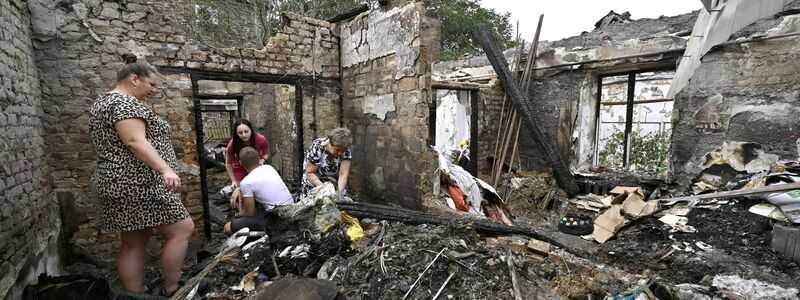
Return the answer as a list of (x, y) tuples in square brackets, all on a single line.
[(798, 149), (379, 105), (713, 116), (731, 153), (316, 55), (583, 134), (392, 32), (377, 178)]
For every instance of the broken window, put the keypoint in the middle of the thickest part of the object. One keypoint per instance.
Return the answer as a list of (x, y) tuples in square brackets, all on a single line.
[(634, 121)]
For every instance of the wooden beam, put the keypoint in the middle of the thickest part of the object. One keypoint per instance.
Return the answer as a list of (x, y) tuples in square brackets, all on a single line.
[(185, 289), (455, 85), (541, 137), (736, 193), (381, 212)]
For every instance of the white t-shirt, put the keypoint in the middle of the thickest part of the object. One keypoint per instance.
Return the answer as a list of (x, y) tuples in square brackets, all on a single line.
[(266, 187)]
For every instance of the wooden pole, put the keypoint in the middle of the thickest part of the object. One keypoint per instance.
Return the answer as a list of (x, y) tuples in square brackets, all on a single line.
[(497, 166), (541, 136), (504, 150), (526, 76)]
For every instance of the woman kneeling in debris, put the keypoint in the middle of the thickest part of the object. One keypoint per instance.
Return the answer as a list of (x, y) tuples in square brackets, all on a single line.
[(328, 158), (135, 182)]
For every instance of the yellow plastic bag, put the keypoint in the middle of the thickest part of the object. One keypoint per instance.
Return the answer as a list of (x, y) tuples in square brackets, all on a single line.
[(354, 230)]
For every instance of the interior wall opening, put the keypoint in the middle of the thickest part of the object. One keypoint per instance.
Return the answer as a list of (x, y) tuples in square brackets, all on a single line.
[(272, 109), (453, 128)]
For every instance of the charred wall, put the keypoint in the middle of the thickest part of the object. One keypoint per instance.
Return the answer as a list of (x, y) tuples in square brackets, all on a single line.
[(746, 93)]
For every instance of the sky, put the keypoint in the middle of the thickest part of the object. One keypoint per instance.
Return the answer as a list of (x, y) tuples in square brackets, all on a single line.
[(565, 18)]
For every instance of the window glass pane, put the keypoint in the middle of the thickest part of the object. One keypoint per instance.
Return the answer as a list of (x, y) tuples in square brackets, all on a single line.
[(611, 123), (651, 128)]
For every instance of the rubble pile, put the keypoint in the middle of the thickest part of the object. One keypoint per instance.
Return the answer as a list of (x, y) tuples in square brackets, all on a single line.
[(395, 259)]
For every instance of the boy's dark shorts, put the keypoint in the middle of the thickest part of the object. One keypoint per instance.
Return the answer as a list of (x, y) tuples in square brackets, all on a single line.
[(255, 223)]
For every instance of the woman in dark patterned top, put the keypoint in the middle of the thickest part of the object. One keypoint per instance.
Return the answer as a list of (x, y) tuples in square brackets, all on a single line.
[(135, 180), (328, 158)]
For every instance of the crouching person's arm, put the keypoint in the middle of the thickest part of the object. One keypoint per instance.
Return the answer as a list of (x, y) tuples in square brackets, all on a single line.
[(248, 209)]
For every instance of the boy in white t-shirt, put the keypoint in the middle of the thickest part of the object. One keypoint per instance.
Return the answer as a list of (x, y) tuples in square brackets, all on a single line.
[(261, 190)]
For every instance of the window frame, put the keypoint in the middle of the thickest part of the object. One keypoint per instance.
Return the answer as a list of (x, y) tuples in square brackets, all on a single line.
[(630, 104)]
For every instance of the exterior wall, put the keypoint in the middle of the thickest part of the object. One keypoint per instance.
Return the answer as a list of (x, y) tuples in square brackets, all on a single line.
[(387, 91), (29, 220), (77, 63), (745, 93)]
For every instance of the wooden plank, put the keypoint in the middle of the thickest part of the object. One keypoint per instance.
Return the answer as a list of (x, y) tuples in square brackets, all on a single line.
[(455, 85), (736, 193), (184, 290)]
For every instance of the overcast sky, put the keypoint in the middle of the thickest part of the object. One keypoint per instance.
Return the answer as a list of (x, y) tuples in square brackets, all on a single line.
[(565, 18)]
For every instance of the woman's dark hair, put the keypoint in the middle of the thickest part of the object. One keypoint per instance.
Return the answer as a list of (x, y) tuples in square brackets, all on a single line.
[(132, 67), (238, 143)]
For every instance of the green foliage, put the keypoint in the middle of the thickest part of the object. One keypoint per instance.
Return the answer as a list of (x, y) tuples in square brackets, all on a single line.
[(648, 154), (460, 18), (250, 23)]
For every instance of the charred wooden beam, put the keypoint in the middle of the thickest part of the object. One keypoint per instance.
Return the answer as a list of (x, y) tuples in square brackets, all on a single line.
[(545, 142), (381, 212), (349, 14), (455, 85)]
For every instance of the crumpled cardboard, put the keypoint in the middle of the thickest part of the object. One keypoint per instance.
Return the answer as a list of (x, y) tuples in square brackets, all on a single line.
[(631, 208), (635, 207), (627, 190), (607, 224)]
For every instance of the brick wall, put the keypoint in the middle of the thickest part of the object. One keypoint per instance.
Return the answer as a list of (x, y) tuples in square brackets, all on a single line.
[(490, 108), (29, 220), (387, 91), (76, 64)]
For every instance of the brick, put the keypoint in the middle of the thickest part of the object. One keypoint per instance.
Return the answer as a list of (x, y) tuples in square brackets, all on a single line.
[(407, 84)]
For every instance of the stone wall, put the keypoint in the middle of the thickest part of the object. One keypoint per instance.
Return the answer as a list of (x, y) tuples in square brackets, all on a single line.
[(29, 220), (745, 93), (386, 59), (77, 63)]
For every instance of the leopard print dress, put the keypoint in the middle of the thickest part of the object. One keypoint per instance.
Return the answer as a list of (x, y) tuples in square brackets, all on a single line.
[(130, 195)]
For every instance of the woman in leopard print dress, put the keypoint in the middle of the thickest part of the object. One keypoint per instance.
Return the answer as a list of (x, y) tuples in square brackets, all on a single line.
[(135, 182)]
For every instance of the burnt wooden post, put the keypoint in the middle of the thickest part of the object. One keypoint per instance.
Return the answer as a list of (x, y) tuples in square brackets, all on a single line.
[(545, 143)]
